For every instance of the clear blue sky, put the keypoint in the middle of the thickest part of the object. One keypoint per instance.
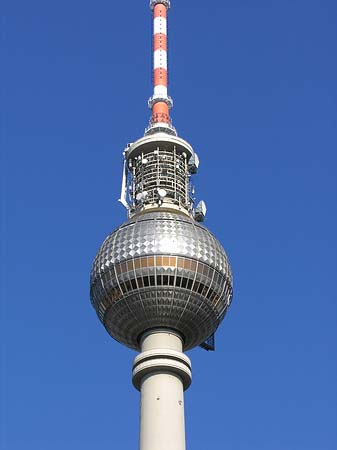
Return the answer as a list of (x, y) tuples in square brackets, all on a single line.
[(254, 84)]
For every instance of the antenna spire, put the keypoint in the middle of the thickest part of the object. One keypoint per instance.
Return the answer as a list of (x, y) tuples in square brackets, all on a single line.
[(160, 103)]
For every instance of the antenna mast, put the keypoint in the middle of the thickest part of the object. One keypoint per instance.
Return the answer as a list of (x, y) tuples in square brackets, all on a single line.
[(160, 103)]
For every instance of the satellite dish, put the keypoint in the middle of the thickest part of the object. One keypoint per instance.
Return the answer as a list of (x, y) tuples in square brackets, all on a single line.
[(141, 196), (162, 193)]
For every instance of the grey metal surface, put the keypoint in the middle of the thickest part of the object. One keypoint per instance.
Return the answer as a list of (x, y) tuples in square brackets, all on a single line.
[(161, 269)]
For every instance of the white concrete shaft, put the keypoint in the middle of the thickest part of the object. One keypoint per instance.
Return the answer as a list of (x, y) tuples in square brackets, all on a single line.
[(162, 421), (161, 338)]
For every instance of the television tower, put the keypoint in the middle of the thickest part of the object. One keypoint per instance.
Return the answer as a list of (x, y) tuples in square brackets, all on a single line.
[(161, 283)]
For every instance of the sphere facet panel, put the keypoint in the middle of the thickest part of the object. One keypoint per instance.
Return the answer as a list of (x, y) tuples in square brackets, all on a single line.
[(161, 270)]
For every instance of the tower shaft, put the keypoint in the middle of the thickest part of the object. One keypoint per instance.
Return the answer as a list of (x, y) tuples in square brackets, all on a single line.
[(161, 372), (162, 423)]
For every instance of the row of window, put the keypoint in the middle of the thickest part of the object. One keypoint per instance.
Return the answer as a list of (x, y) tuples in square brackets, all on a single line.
[(161, 280), (166, 262), (156, 265)]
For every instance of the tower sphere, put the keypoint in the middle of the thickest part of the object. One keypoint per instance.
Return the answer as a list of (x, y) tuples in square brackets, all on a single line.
[(161, 269)]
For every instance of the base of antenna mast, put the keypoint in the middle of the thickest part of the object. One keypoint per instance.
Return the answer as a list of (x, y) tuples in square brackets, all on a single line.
[(160, 127), (158, 99)]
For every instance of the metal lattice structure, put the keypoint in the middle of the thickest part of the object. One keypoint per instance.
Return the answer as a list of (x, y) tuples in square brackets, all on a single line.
[(158, 171), (161, 169)]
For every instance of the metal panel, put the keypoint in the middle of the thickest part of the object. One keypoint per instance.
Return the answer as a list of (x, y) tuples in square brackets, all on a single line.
[(161, 269)]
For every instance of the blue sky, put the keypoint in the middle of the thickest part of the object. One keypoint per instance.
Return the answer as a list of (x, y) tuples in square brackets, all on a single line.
[(254, 85)]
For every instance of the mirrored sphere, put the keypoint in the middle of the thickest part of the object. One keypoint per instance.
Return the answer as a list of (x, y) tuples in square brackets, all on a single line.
[(161, 269)]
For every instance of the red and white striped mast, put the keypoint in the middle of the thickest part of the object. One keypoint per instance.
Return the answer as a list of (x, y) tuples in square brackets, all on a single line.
[(160, 103)]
